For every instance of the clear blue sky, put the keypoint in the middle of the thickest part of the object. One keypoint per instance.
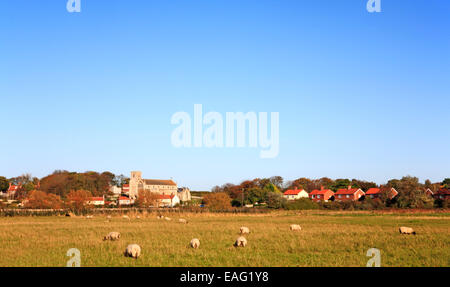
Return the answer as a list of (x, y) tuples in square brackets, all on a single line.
[(360, 95)]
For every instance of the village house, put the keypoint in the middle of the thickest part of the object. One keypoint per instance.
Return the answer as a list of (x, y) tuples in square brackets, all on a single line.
[(375, 192), (165, 200), (294, 194), (322, 195), (123, 200), (184, 194), (159, 186), (429, 192), (12, 189), (442, 194), (349, 194), (97, 201)]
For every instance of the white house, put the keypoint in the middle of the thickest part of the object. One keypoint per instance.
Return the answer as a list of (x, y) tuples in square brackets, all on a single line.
[(294, 194), (166, 200), (123, 200), (97, 201)]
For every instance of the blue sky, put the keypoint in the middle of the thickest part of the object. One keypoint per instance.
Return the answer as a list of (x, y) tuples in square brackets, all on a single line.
[(360, 95)]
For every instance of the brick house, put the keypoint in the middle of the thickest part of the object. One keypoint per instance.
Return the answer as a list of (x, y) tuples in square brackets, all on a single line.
[(293, 194), (375, 192), (321, 195), (349, 194), (442, 194)]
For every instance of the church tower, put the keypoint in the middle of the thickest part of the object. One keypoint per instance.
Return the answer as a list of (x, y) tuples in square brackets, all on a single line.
[(135, 179)]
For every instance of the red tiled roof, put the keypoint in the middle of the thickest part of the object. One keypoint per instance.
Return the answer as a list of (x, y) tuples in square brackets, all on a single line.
[(323, 191), (373, 190), (347, 191), (443, 191), (96, 199), (123, 198), (293, 191), (166, 196)]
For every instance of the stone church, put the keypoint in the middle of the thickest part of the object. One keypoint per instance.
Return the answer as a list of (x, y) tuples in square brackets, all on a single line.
[(159, 186)]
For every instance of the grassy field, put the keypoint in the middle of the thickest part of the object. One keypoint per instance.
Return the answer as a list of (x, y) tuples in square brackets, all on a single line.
[(327, 239)]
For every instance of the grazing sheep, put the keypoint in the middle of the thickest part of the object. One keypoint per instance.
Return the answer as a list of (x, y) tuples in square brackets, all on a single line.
[(112, 236), (126, 217), (138, 217), (109, 217), (240, 242), (182, 220), (295, 227), (406, 230), (160, 217), (245, 230), (133, 250), (168, 218), (89, 216), (195, 243)]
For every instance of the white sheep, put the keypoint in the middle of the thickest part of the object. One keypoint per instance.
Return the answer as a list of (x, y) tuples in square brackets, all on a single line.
[(240, 242), (160, 217), (133, 250), (406, 230), (195, 243), (245, 230), (89, 216), (168, 218), (295, 227), (112, 236), (126, 217), (109, 216), (138, 217), (182, 220)]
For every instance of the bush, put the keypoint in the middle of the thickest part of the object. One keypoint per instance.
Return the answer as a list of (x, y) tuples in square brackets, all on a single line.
[(301, 204), (217, 201)]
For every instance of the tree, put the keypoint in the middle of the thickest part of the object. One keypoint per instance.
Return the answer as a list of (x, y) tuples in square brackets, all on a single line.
[(77, 199), (4, 184), (446, 183), (217, 201), (146, 198), (411, 193), (39, 199), (275, 200)]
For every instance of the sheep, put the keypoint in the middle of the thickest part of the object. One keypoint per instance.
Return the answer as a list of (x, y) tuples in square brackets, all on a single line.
[(112, 236), (160, 217), (240, 242), (195, 243), (182, 220), (133, 250), (245, 230), (295, 227), (89, 216), (109, 217), (138, 217), (168, 218), (126, 217), (406, 230)]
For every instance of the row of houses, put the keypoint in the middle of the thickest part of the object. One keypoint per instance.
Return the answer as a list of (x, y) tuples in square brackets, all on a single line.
[(355, 194)]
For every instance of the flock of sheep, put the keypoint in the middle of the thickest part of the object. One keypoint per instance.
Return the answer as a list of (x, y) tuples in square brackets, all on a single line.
[(134, 250)]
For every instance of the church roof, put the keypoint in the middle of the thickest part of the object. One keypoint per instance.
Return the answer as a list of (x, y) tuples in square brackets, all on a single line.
[(159, 182)]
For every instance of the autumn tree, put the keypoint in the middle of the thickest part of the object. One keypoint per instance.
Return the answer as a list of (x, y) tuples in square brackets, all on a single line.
[(146, 198), (4, 184), (217, 201), (40, 200), (77, 199)]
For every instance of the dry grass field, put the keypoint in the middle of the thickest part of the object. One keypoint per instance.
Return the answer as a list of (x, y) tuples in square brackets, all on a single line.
[(326, 239)]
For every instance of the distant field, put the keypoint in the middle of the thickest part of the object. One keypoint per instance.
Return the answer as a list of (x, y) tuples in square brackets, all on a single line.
[(327, 239)]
